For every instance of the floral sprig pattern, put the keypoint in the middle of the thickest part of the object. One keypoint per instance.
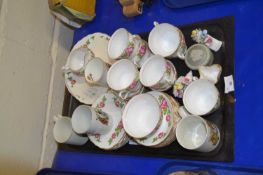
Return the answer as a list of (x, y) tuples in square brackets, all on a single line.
[(97, 137), (214, 138), (101, 104), (118, 103), (116, 133), (159, 136), (70, 78), (128, 51)]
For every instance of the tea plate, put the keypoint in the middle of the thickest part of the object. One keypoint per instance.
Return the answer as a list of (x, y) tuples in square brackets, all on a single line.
[(116, 137), (98, 44), (78, 87), (167, 122)]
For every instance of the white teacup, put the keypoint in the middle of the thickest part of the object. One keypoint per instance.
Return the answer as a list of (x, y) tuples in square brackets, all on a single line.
[(63, 132), (167, 40), (121, 44), (141, 116), (158, 73), (78, 59), (85, 119), (201, 97), (123, 77), (196, 133), (141, 51), (96, 72)]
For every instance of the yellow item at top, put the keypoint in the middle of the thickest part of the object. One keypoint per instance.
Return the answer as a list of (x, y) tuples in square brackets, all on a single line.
[(84, 6)]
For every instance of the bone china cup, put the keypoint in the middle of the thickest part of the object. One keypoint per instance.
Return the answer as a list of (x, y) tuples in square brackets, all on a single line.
[(96, 72), (123, 77), (196, 133), (167, 40), (141, 116), (120, 45), (201, 97), (85, 119), (63, 132), (158, 73), (78, 60)]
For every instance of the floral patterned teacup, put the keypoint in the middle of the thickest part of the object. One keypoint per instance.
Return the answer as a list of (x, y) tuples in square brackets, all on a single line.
[(167, 40), (123, 78), (78, 59), (121, 45), (96, 72), (141, 51), (85, 119), (158, 73), (141, 116), (196, 133)]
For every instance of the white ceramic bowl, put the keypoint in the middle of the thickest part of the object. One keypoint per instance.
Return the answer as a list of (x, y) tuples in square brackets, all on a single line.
[(164, 39), (200, 97), (121, 74), (118, 43), (141, 116)]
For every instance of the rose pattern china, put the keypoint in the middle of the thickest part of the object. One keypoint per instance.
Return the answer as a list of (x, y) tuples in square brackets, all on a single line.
[(111, 105)]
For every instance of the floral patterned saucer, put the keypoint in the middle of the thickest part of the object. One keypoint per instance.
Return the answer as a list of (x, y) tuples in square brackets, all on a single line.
[(117, 137), (167, 123), (98, 44), (83, 92)]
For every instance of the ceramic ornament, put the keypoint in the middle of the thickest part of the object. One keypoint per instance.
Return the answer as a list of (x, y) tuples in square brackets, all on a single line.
[(202, 36), (211, 73), (181, 83)]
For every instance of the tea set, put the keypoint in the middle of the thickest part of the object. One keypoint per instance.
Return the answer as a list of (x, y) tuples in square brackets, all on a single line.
[(121, 81)]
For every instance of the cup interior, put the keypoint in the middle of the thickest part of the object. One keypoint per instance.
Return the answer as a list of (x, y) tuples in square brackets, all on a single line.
[(81, 119), (77, 59), (141, 115), (152, 70), (121, 74), (118, 42), (191, 132), (94, 70), (62, 130), (200, 97), (164, 39)]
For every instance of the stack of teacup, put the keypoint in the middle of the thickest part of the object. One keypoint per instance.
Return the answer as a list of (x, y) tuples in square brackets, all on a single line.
[(136, 104)]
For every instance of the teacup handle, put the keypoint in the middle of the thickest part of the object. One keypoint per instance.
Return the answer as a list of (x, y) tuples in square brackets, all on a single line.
[(183, 112), (57, 117), (124, 94), (155, 23)]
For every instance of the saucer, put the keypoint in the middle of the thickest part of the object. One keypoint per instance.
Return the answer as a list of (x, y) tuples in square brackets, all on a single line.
[(166, 125), (78, 87), (116, 137), (98, 44)]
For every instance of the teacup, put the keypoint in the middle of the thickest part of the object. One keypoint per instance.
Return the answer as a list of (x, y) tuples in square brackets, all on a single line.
[(123, 77), (78, 59), (96, 72), (158, 73), (63, 132), (121, 44), (196, 133), (201, 97), (85, 119), (141, 51), (141, 116), (167, 40), (198, 55)]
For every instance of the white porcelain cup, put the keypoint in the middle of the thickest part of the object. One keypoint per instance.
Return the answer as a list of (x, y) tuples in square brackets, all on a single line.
[(141, 51), (78, 59), (96, 72), (63, 132), (201, 97), (196, 133), (167, 40), (121, 44), (141, 116), (158, 73), (85, 119), (123, 77)]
